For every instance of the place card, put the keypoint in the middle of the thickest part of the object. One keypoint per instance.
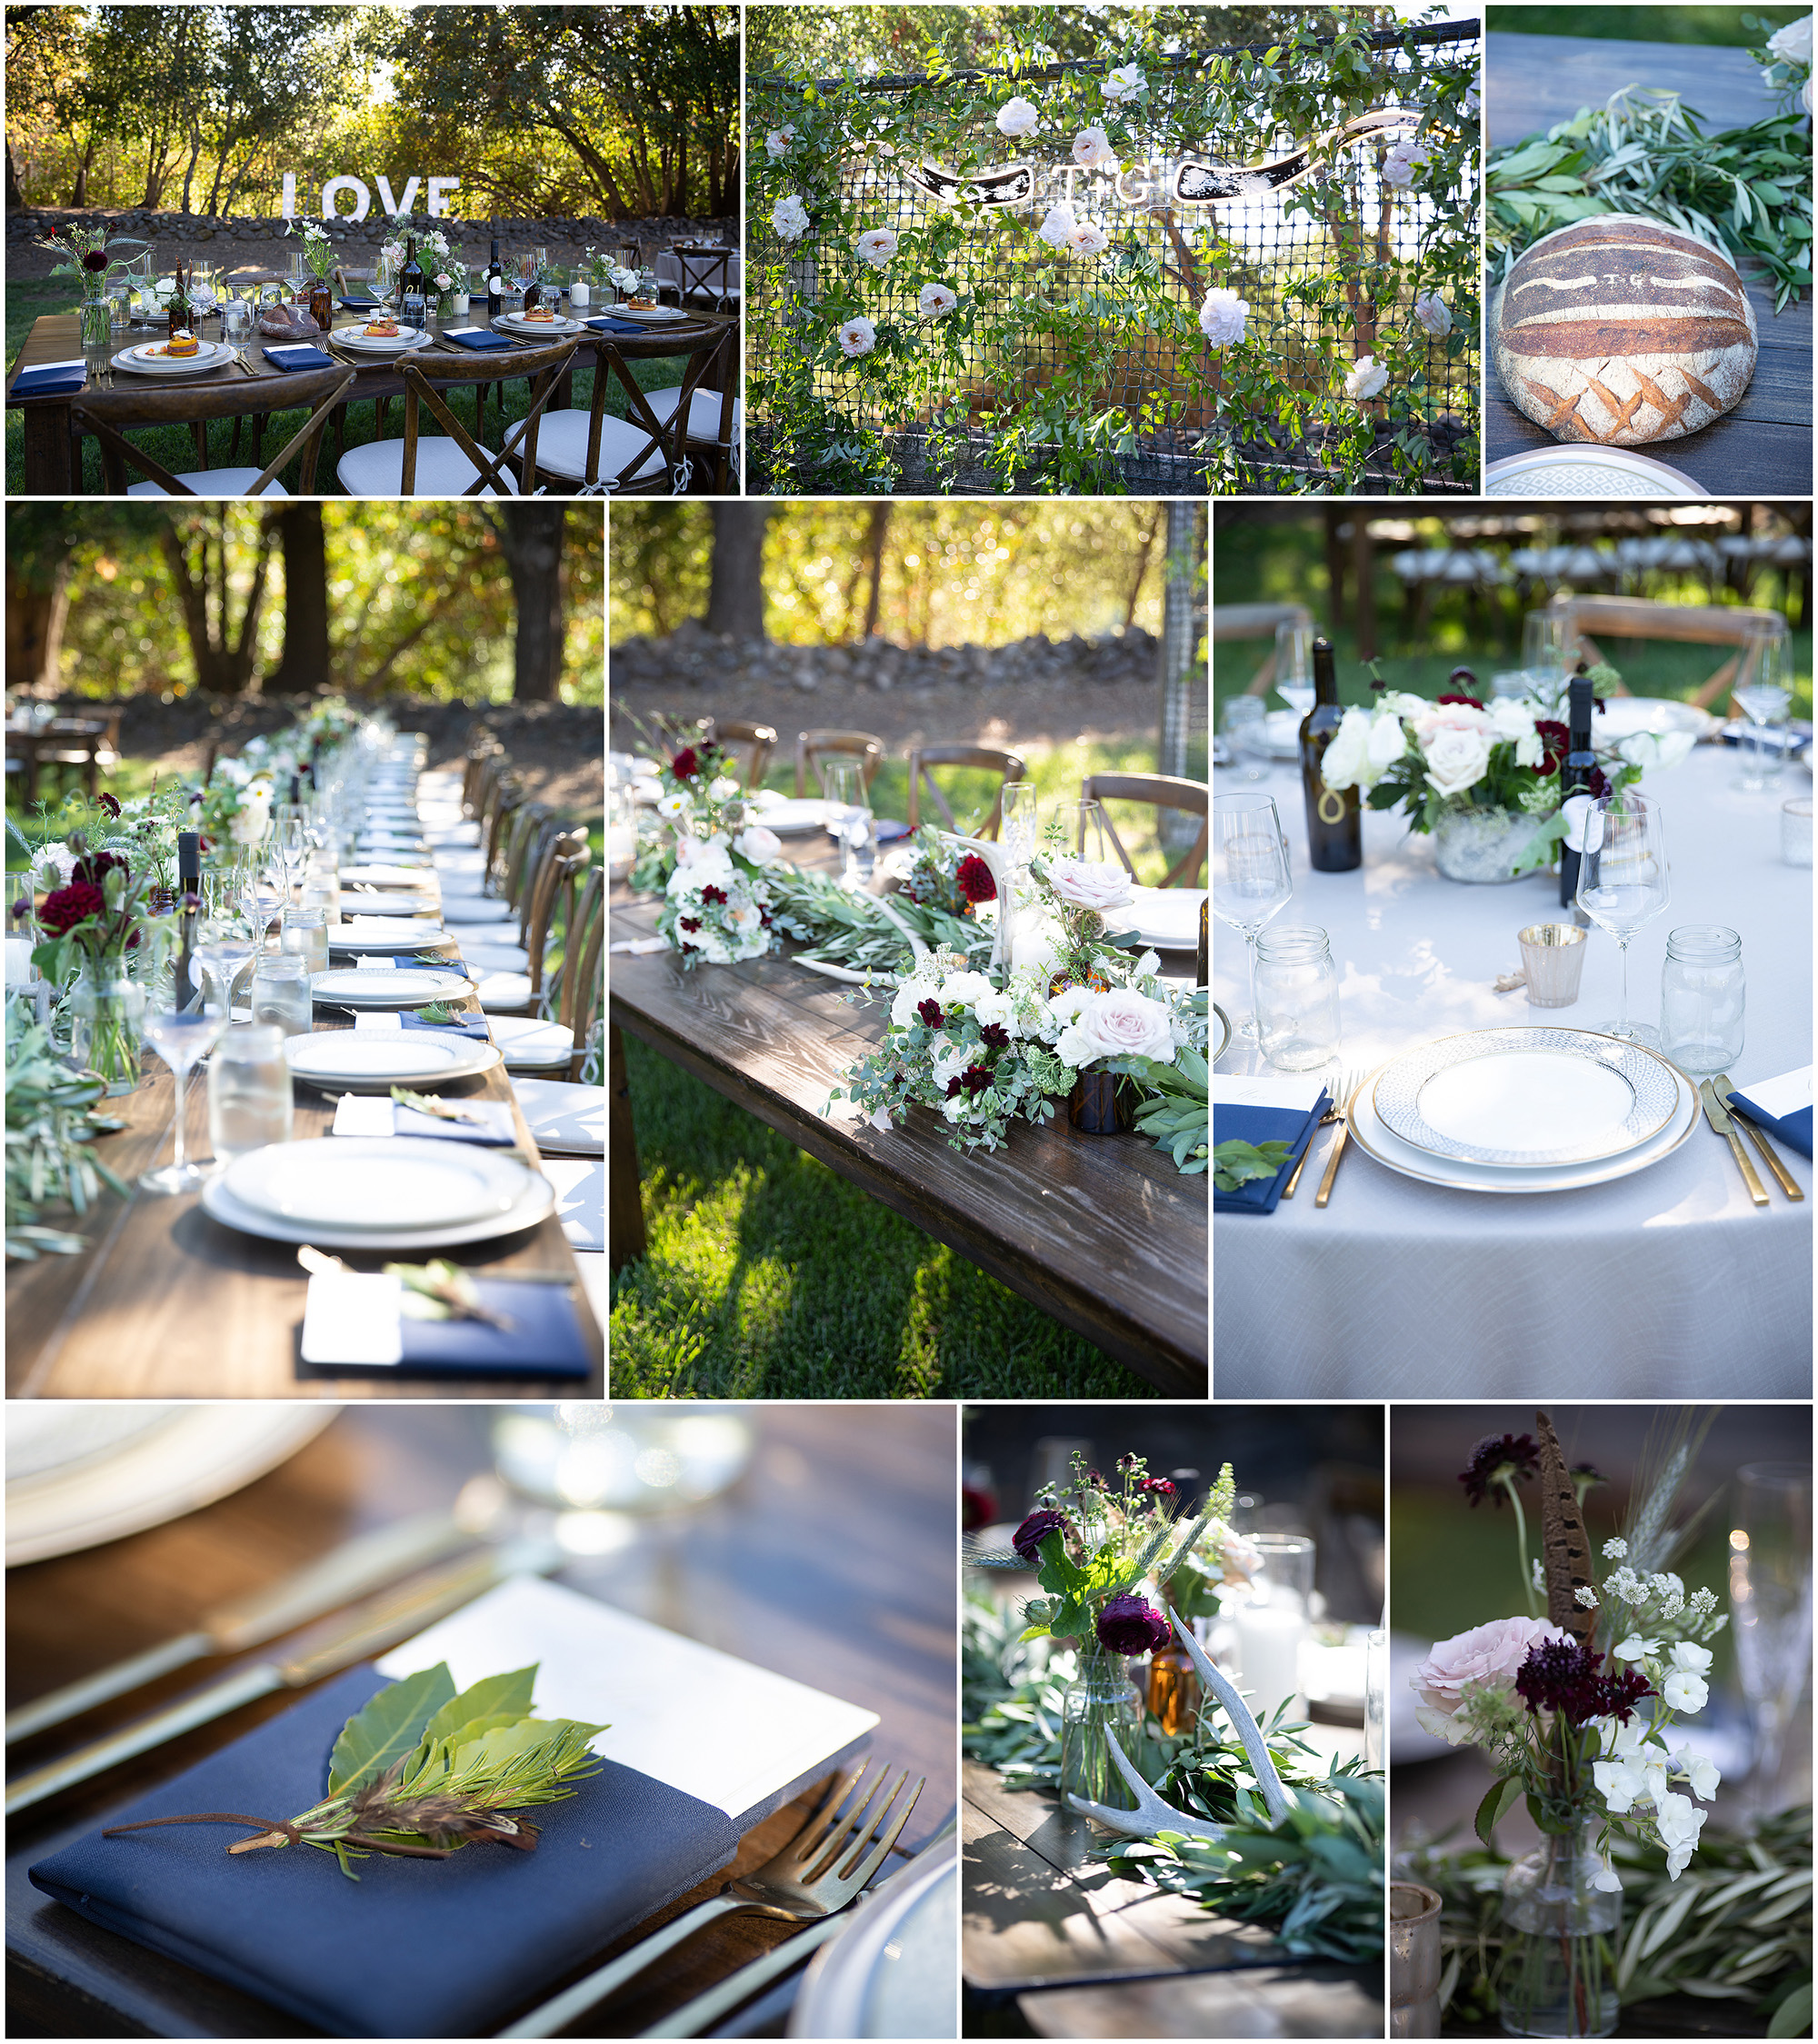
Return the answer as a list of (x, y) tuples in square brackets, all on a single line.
[(1294, 1094)]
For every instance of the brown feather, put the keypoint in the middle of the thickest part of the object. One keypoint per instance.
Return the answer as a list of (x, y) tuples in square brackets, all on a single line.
[(1565, 1545)]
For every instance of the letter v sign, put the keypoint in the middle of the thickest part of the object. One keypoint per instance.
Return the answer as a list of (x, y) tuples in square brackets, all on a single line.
[(394, 206)]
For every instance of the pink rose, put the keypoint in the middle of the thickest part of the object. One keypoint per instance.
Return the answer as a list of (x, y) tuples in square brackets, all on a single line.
[(1084, 885), (1122, 1023), (1486, 1657)]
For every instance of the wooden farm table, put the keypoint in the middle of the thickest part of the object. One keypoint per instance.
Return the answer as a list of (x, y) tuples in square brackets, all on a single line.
[(52, 456), (1762, 447), (1083, 1953), (32, 745), (830, 1560), (168, 1302), (1100, 1232)]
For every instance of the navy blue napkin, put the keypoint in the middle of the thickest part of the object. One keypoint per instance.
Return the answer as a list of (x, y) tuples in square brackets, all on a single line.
[(409, 962), (543, 1340), (352, 304), (466, 1024), (419, 1947), (1259, 1125), (298, 357), (52, 380), (499, 1133), (1794, 1130), (617, 326), (478, 338)]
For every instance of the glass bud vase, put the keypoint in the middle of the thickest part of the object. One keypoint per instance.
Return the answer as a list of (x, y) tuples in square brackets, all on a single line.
[(1100, 1104), (1101, 1704), (107, 1011), (1560, 1937), (97, 324)]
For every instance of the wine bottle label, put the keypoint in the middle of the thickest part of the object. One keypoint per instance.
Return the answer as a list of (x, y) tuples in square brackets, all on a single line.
[(1331, 807)]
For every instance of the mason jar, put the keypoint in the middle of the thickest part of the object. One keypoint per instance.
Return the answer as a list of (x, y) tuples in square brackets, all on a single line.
[(1296, 998), (1702, 999)]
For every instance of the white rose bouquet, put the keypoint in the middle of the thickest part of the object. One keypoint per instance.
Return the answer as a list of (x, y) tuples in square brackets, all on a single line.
[(1786, 65), (706, 853)]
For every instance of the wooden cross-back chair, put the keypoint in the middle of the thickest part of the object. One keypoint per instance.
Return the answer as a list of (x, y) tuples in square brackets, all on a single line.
[(583, 980), (395, 467), (563, 856), (813, 746), (1163, 791), (111, 414), (751, 743), (481, 746), (994, 759), (1639, 617), (593, 452)]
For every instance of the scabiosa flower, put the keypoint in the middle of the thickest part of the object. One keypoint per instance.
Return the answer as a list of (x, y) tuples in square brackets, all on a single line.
[(1028, 1537), (857, 338), (973, 878), (109, 804), (1556, 742), (64, 909), (1496, 1456), (929, 1013), (1130, 1624), (1563, 1676)]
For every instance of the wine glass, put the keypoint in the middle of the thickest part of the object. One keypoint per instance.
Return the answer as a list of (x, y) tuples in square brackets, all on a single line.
[(844, 780), (1765, 696), (1623, 883), (1245, 718), (1086, 829), (1543, 652), (289, 843), (1293, 665), (1022, 815), (1251, 884), (1771, 1604), (180, 1036)]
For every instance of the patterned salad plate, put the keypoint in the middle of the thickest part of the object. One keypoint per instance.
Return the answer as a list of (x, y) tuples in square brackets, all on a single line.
[(1521, 1099)]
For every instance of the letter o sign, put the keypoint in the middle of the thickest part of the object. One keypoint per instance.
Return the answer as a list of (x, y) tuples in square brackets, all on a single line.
[(335, 187)]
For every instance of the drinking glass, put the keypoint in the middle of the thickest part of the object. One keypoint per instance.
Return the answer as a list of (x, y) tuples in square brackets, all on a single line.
[(1544, 652), (179, 1037), (289, 843), (1765, 696), (1376, 1700), (1251, 885), (1770, 1605), (22, 906), (1244, 718), (1022, 813), (1272, 1625), (1293, 665), (1701, 996), (1086, 821), (250, 1101), (1795, 831), (305, 934), (220, 957), (1623, 881), (281, 993), (844, 782), (1296, 988), (236, 325)]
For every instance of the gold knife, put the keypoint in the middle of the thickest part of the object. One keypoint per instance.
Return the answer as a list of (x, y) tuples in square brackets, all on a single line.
[(1723, 1085), (1718, 1116), (338, 1642), (1324, 1192)]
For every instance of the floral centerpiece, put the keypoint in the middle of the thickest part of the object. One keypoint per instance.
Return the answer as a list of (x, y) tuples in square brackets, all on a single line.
[(433, 252), (712, 868), (85, 255), (1575, 1710), (1483, 778), (318, 251), (236, 807)]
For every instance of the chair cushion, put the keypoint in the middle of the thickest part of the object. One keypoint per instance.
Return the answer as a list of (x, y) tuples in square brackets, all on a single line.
[(704, 411), (509, 992), (213, 483), (376, 470), (562, 448), (531, 1044), (473, 909), (563, 1116), (580, 1199), (496, 958)]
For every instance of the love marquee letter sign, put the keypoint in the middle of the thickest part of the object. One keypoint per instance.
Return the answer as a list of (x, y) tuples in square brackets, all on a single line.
[(438, 189)]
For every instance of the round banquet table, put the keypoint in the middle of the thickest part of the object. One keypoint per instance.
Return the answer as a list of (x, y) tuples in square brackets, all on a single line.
[(1669, 1283)]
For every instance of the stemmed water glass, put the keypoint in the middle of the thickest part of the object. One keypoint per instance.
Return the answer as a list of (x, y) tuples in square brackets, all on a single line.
[(1544, 654), (1293, 665), (1764, 698), (180, 1036), (1770, 1605), (1088, 834), (290, 843), (1623, 883), (1251, 884), (843, 782)]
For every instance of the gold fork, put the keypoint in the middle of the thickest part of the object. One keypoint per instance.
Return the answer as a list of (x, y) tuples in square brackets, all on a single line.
[(1347, 1082), (1324, 1192)]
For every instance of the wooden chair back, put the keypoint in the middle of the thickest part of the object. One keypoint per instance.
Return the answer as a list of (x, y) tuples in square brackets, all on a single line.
[(994, 759), (1639, 617), (583, 981), (110, 414), (664, 437), (1163, 791), (481, 746), (813, 746), (562, 854), (424, 373), (1256, 620), (752, 743)]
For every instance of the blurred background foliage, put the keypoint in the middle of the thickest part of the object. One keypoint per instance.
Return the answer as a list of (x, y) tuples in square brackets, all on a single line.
[(616, 111), (890, 39), (1723, 25)]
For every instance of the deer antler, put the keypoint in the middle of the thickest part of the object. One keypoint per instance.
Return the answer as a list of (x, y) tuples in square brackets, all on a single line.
[(1262, 1763)]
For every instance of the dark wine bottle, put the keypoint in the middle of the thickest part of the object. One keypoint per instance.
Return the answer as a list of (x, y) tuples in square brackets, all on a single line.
[(189, 891), (413, 289), (1334, 827), (179, 305), (495, 283), (1575, 778), (1201, 961)]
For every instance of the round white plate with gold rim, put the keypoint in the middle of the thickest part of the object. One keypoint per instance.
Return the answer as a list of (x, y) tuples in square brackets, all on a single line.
[(1525, 1097), (376, 1062), (1382, 1143), (531, 1199), (388, 986)]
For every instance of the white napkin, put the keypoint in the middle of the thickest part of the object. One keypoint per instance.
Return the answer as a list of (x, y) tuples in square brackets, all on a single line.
[(639, 946), (1296, 1094)]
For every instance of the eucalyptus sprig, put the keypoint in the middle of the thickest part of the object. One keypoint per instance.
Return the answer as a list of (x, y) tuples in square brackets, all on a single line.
[(1237, 1162), (421, 1772)]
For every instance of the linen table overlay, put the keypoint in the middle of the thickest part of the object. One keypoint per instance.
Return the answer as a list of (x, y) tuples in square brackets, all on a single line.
[(1668, 1284)]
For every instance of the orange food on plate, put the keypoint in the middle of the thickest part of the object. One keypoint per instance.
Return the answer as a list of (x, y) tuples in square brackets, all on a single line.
[(381, 329), (642, 304), (539, 315), (183, 344)]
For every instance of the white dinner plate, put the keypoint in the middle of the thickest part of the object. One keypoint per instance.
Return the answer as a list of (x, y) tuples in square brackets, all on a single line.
[(375, 1063), (535, 1204), (652, 316), (1624, 716), (384, 986), (1165, 917), (140, 361), (362, 342), (516, 322), (1387, 1148), (893, 1972), (363, 1182), (354, 902), (788, 816), (390, 875), (390, 933), (1526, 1097)]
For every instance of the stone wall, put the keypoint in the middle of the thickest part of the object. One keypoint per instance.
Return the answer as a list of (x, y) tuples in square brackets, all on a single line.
[(562, 236)]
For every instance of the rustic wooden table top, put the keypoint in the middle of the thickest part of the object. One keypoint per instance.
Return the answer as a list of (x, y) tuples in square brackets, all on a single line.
[(1764, 446), (832, 1561), (168, 1302), (1103, 1232), (1083, 1953)]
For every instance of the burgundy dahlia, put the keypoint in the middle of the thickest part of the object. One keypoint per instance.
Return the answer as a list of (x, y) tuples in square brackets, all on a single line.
[(1471, 702), (1130, 1624), (95, 262), (687, 763), (974, 878), (1028, 1537), (1513, 1454), (65, 907)]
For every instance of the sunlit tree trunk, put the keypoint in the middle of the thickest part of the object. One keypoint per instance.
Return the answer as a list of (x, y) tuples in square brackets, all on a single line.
[(736, 596), (35, 611), (530, 536), (305, 664)]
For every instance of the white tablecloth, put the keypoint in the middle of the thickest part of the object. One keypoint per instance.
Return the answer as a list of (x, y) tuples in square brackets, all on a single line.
[(1670, 1283)]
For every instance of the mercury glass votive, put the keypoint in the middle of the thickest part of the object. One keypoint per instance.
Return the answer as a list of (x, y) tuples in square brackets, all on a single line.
[(1553, 957), (1414, 1959)]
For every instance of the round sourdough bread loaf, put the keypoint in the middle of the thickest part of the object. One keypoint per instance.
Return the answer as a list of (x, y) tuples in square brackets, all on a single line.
[(1622, 331)]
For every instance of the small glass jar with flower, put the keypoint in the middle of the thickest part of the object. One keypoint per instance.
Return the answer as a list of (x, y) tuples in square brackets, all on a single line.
[(84, 257)]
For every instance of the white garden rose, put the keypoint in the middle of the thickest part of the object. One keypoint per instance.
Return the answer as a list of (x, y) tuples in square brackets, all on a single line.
[(1388, 741), (724, 788), (910, 996), (1806, 95), (1092, 150), (758, 844), (1792, 44), (1125, 1023), (1057, 223), (1223, 317), (777, 142), (937, 301), (789, 217), (1367, 380), (995, 1007), (1433, 313), (857, 338), (1127, 82), (877, 247), (1018, 117), (965, 990), (1456, 760), (1084, 883), (1346, 760), (1655, 752), (1088, 238)]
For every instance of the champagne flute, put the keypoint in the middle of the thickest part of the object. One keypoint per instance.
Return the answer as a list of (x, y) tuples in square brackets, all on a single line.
[(180, 1036), (1771, 1606), (1293, 665), (1623, 883), (1543, 652), (1251, 884)]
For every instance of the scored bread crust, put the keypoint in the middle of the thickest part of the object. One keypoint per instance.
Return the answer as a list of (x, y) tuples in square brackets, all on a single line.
[(1620, 331)]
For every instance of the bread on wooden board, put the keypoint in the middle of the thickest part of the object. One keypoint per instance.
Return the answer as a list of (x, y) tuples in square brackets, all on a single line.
[(1623, 330)]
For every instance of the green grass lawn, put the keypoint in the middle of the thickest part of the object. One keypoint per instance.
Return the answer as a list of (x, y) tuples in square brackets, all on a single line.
[(174, 446), (768, 1276), (1645, 25)]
